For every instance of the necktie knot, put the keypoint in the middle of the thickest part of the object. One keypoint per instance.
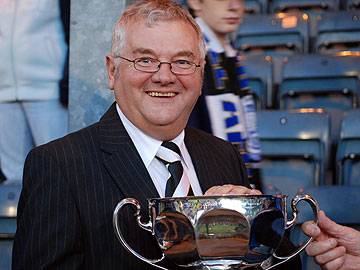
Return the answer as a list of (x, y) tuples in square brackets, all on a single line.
[(170, 155)]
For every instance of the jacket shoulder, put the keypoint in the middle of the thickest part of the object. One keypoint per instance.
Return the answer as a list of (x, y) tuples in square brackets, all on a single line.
[(70, 143)]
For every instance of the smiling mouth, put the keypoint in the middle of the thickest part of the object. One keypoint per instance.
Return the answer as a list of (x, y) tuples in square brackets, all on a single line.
[(161, 94)]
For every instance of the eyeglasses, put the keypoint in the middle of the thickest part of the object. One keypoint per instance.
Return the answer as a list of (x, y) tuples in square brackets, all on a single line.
[(151, 65)]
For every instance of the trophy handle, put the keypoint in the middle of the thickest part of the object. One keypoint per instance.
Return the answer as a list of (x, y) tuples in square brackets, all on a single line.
[(147, 227), (315, 207)]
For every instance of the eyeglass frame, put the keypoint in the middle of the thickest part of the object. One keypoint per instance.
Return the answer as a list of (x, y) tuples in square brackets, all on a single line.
[(194, 65)]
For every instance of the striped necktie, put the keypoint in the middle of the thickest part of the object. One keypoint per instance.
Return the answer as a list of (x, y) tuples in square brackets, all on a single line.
[(169, 154)]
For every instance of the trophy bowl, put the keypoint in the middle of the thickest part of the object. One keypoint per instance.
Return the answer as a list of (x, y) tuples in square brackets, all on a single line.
[(218, 232)]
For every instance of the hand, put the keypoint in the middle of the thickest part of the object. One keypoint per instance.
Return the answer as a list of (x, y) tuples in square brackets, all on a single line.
[(335, 247), (231, 190)]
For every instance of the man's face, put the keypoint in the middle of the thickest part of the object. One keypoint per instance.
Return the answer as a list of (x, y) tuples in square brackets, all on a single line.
[(158, 103), (223, 16)]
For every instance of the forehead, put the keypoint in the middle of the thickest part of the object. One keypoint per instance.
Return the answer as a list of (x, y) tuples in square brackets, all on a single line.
[(220, 3), (163, 38)]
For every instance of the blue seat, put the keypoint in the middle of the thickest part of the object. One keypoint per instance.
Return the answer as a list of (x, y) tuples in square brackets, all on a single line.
[(321, 81), (348, 151), (312, 8), (303, 5), (274, 34), (259, 71), (295, 149), (9, 197), (256, 6), (352, 4), (340, 203), (338, 31)]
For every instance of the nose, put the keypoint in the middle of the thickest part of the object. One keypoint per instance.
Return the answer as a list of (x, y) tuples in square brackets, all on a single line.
[(236, 4), (164, 75)]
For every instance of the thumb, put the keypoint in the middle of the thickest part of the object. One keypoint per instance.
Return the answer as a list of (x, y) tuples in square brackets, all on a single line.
[(329, 226)]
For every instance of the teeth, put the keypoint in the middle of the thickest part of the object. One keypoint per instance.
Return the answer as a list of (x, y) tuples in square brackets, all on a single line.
[(161, 94)]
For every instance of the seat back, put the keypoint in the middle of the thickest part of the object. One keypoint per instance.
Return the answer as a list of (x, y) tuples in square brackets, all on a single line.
[(352, 4), (295, 147), (259, 71), (255, 6), (321, 81), (303, 5), (338, 31), (273, 34), (9, 197), (348, 151)]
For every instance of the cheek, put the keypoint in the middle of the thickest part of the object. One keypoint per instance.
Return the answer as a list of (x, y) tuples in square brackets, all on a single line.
[(129, 81)]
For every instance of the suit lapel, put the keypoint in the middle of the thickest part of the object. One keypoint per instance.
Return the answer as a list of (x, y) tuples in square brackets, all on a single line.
[(201, 157), (122, 160)]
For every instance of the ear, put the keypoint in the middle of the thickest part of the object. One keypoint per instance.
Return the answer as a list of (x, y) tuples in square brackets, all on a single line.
[(110, 67), (195, 5)]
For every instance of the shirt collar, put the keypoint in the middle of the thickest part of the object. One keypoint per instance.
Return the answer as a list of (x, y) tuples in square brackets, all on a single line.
[(146, 146)]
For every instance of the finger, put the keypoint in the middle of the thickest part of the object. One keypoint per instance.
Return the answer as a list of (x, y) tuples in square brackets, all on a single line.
[(329, 226), (218, 190), (231, 190), (255, 192), (211, 191), (311, 229), (335, 264), (319, 247), (331, 255), (239, 190)]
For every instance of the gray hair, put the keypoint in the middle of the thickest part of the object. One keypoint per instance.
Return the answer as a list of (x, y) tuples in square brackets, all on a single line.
[(152, 11)]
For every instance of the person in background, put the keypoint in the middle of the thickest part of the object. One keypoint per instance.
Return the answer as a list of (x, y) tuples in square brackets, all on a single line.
[(335, 247), (33, 52), (72, 185), (226, 107)]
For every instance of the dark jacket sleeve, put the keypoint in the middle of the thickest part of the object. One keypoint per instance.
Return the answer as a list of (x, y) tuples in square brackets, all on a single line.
[(48, 227)]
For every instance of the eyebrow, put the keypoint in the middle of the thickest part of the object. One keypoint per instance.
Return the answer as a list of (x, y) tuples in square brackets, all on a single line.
[(149, 51), (144, 51)]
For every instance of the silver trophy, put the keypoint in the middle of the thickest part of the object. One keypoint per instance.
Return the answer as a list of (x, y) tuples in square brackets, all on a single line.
[(218, 232)]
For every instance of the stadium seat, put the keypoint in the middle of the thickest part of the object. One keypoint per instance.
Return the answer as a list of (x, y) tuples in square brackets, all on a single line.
[(348, 151), (321, 81), (303, 5), (352, 4), (295, 148), (256, 6), (274, 34), (340, 203), (313, 8), (260, 76), (9, 197), (338, 31)]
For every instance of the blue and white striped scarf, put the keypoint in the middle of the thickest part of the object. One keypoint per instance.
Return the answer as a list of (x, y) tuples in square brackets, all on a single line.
[(233, 115)]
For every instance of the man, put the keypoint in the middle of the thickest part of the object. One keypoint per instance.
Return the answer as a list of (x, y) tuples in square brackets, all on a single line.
[(335, 247), (72, 185), (226, 108)]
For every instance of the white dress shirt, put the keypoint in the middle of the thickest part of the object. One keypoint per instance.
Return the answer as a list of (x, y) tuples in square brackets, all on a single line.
[(148, 147)]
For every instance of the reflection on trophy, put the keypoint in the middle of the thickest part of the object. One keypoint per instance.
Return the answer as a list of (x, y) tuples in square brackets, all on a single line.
[(218, 232)]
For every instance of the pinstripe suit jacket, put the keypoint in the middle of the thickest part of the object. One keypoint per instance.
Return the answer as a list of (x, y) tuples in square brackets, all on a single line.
[(72, 185)]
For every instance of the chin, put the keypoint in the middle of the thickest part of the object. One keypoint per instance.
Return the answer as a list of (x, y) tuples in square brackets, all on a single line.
[(231, 28)]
